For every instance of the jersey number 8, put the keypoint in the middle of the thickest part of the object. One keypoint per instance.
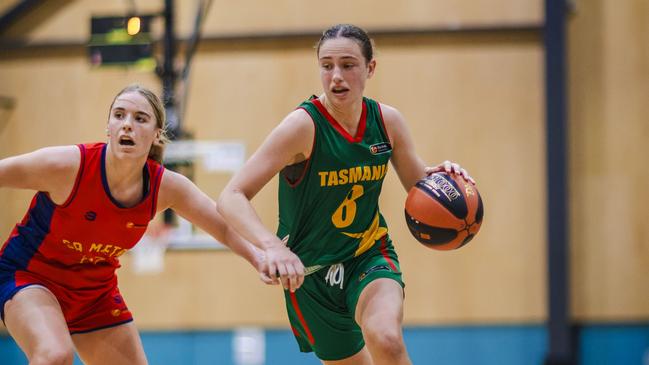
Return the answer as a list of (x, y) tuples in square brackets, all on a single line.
[(346, 211)]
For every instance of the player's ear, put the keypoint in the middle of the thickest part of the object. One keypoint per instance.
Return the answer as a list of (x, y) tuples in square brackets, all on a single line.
[(371, 67)]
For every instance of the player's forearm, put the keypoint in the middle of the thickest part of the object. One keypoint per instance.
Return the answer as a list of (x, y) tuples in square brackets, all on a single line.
[(242, 247), (239, 214)]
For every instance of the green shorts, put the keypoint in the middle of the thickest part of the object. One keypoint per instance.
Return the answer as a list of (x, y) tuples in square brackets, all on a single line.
[(322, 311)]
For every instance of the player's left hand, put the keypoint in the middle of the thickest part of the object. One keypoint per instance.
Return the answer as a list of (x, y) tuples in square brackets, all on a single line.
[(450, 168)]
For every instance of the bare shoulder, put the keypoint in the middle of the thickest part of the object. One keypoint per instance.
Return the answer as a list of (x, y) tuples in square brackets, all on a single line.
[(393, 119), (172, 187), (59, 158), (49, 169), (298, 121), (51, 162), (173, 182), (292, 140)]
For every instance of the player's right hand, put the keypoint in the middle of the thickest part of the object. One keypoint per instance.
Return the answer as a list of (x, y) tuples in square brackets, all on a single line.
[(282, 263), (262, 268)]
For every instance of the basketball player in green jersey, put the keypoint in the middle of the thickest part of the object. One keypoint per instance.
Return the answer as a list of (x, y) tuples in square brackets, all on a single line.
[(332, 243)]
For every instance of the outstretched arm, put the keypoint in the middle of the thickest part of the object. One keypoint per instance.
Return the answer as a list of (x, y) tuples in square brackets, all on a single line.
[(51, 169), (185, 198), (290, 142)]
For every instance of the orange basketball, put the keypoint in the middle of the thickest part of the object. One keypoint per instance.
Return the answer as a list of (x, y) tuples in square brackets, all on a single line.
[(444, 212)]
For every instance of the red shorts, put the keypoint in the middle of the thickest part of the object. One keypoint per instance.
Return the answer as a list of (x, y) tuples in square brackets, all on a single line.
[(84, 310)]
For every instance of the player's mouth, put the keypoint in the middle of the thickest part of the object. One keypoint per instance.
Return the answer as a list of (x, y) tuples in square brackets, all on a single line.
[(126, 141), (339, 90)]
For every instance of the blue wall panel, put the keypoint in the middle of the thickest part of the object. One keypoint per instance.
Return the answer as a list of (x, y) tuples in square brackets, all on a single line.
[(198, 347), (281, 348), (502, 345), (615, 345), (10, 354), (448, 345)]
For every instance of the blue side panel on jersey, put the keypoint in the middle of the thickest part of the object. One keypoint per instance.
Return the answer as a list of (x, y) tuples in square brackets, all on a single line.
[(21, 248)]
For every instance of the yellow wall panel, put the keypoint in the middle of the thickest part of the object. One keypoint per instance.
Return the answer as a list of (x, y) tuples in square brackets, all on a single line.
[(70, 20), (475, 99), (609, 134), (458, 101)]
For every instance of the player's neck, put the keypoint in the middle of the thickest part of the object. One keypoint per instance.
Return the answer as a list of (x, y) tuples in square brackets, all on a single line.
[(123, 171), (347, 115)]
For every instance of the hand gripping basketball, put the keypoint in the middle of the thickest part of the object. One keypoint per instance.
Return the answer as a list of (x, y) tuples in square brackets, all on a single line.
[(444, 211)]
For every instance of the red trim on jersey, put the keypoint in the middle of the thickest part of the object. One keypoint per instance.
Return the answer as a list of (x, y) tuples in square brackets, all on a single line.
[(77, 180), (301, 318), (384, 252), (383, 122), (156, 187), (362, 123)]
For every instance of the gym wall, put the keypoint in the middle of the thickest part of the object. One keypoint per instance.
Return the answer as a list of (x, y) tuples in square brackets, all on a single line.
[(473, 97)]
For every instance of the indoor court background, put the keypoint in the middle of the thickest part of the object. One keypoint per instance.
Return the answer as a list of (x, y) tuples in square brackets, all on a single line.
[(469, 77)]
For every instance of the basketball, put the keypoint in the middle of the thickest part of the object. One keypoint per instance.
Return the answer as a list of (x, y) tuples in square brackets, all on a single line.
[(444, 212)]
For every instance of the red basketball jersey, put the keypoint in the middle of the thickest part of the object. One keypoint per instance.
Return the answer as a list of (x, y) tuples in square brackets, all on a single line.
[(77, 244)]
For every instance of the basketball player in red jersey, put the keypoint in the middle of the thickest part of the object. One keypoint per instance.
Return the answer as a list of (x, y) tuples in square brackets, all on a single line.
[(58, 288)]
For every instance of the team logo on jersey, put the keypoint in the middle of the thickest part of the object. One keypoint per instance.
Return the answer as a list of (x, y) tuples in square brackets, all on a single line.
[(378, 148), (90, 215), (118, 312), (135, 225), (373, 269)]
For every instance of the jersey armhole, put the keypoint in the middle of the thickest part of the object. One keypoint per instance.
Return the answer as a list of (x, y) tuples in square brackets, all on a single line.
[(77, 181), (307, 165), (385, 130), (156, 187)]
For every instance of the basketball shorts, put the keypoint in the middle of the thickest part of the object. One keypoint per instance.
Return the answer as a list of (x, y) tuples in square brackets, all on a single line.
[(84, 310), (321, 312)]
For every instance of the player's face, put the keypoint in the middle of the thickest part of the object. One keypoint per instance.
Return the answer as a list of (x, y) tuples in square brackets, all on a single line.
[(343, 70), (132, 126)]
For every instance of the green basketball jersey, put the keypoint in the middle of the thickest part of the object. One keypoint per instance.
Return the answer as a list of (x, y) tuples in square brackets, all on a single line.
[(329, 204)]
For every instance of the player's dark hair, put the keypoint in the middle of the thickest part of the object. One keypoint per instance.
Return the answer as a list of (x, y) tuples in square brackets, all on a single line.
[(352, 32)]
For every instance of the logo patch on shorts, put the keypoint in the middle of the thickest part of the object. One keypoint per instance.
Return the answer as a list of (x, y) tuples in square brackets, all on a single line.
[(379, 148), (373, 269)]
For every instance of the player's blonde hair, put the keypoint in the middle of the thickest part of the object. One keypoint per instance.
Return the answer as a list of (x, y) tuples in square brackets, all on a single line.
[(157, 149)]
